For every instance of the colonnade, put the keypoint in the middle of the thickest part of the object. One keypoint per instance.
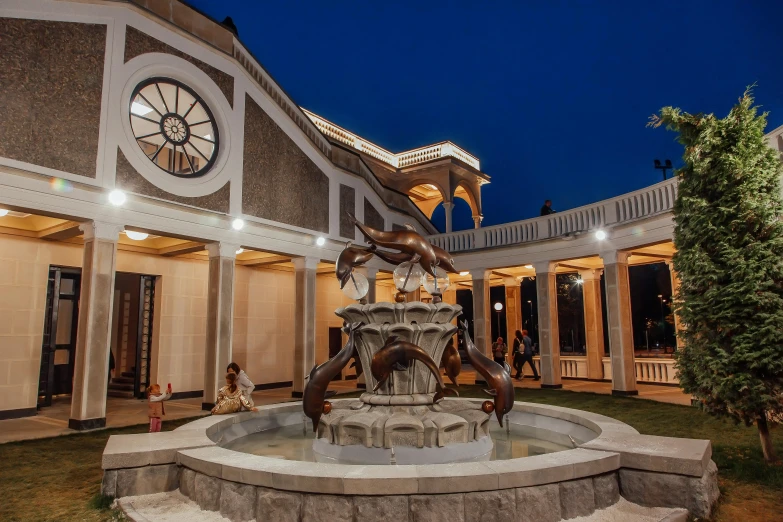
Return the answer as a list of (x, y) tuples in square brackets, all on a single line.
[(618, 305), (88, 406)]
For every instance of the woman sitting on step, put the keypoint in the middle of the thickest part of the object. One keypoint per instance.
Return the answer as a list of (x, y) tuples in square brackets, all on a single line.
[(230, 398)]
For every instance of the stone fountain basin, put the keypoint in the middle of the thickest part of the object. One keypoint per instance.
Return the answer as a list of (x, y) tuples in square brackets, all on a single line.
[(605, 445)]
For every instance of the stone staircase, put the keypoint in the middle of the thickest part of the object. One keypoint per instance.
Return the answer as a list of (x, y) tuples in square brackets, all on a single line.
[(122, 386)]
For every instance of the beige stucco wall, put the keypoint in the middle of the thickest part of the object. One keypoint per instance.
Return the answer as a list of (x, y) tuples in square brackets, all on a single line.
[(263, 337)]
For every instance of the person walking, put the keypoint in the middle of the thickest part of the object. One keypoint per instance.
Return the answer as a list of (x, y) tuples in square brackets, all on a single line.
[(527, 355), (516, 354), (547, 208), (499, 351)]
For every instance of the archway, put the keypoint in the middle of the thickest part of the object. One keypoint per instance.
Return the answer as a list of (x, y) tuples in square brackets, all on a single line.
[(461, 216), (427, 197)]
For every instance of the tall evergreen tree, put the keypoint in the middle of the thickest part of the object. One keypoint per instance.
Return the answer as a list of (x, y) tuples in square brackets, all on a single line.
[(729, 239)]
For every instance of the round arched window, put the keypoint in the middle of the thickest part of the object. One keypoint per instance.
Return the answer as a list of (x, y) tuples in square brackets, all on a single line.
[(174, 127)]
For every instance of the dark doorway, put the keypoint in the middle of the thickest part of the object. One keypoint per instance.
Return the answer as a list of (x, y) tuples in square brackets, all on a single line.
[(335, 345), (131, 340), (59, 338)]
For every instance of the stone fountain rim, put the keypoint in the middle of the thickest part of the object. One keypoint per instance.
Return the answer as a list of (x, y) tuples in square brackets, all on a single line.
[(314, 477)]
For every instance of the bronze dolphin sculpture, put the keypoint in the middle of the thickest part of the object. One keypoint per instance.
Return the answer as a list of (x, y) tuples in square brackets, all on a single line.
[(406, 241), (451, 361), (501, 386), (397, 355), (321, 375), (444, 259), (349, 258)]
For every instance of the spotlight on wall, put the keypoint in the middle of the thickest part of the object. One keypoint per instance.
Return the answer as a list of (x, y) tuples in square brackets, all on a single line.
[(117, 197), (3, 212), (136, 236), (238, 224), (600, 235), (321, 241)]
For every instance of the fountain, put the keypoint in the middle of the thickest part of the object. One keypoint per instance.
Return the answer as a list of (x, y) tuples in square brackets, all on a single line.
[(409, 447)]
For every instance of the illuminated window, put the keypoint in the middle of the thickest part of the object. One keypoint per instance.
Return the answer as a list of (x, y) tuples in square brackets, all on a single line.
[(174, 127)]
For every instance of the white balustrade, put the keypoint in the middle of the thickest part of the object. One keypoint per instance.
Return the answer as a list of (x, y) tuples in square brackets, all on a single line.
[(573, 367), (656, 199), (403, 159), (656, 370)]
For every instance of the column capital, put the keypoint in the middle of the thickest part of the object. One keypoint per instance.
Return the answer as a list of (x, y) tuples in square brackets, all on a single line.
[(480, 273), (614, 257), (101, 230), (510, 281), (543, 267), (221, 249), (447, 204), (477, 221), (591, 274), (305, 263)]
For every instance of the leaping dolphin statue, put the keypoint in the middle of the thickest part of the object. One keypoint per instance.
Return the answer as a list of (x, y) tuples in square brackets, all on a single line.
[(500, 385), (397, 355), (406, 241), (321, 375), (348, 259)]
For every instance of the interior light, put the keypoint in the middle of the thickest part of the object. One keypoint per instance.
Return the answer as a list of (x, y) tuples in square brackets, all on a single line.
[(529, 267), (3, 212), (136, 236), (208, 137), (464, 273), (140, 109), (321, 241), (600, 235), (580, 281), (498, 306), (117, 197), (240, 250), (237, 224)]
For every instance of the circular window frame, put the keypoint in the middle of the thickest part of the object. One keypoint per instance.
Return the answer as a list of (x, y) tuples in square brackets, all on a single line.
[(155, 80)]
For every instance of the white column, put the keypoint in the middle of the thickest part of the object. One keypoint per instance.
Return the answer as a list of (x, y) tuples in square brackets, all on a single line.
[(304, 321), (482, 315), (618, 309), (513, 309), (548, 327), (594, 322), (448, 206), (220, 318), (477, 221), (93, 336)]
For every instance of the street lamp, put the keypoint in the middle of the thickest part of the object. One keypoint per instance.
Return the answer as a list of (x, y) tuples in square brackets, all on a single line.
[(667, 165), (498, 308)]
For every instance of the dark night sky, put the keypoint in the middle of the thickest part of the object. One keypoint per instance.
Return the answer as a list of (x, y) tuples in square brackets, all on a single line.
[(553, 97)]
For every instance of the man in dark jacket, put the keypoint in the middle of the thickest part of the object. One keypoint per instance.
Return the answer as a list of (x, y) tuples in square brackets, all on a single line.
[(547, 208), (527, 356)]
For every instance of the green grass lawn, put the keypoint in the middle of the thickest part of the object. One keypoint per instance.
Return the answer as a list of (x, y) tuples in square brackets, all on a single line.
[(59, 478)]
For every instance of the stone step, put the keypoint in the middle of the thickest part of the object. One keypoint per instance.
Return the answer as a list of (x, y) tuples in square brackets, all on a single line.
[(123, 380), (131, 375), (120, 386)]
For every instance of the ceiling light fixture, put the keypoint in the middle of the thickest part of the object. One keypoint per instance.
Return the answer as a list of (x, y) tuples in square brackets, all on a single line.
[(464, 273), (240, 250), (321, 241), (600, 235), (117, 197), (529, 267), (136, 236), (237, 224), (3, 212)]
